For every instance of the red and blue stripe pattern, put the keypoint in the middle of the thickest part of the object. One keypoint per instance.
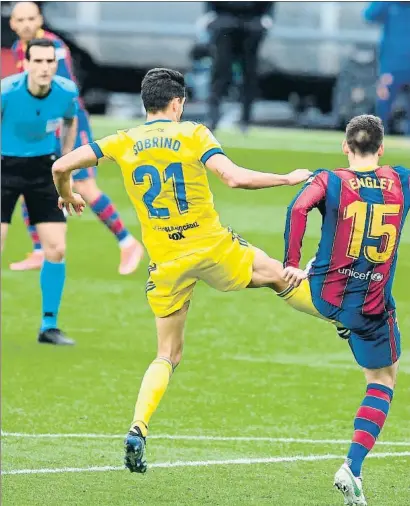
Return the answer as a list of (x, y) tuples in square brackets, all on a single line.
[(334, 285), (310, 196), (340, 280), (376, 300), (394, 337), (368, 423), (107, 213)]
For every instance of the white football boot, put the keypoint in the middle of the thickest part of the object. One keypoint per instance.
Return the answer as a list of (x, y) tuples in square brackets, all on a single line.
[(350, 486)]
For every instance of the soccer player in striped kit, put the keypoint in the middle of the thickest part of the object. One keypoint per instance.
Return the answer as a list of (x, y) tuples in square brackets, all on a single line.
[(27, 21), (350, 281)]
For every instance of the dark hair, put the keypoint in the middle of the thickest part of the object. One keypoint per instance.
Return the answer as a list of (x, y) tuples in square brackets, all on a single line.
[(364, 134), (40, 43), (159, 87)]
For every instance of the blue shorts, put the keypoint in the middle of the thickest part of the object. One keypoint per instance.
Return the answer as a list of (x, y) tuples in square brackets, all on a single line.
[(374, 340), (84, 136), (377, 344)]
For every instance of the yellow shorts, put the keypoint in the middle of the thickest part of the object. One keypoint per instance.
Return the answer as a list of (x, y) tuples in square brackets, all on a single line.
[(226, 266)]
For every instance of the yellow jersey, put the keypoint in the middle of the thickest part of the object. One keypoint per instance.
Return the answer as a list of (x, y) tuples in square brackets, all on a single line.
[(162, 163)]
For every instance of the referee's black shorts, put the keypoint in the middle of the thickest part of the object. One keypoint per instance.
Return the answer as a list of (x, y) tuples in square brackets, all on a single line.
[(32, 178)]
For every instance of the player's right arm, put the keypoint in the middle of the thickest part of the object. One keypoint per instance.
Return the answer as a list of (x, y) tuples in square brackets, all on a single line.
[(211, 155), (238, 177)]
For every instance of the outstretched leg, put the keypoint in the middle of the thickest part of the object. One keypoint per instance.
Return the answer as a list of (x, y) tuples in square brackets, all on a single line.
[(267, 272)]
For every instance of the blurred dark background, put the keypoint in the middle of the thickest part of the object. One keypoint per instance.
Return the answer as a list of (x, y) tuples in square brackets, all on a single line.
[(317, 63)]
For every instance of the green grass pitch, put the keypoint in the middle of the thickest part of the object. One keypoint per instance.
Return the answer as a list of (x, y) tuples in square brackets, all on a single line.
[(252, 368)]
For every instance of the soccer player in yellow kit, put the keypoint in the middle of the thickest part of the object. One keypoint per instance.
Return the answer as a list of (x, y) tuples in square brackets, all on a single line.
[(163, 165)]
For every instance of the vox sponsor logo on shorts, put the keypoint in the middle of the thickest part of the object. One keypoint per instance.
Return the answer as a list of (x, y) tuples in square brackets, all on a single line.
[(176, 236)]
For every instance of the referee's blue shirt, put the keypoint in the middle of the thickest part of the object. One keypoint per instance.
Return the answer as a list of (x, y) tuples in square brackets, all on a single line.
[(29, 123)]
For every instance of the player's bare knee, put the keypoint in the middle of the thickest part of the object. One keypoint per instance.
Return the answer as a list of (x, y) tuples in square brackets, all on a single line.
[(386, 376), (54, 251)]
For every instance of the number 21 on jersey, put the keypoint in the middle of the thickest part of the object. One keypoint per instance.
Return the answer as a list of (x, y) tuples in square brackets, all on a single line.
[(172, 175), (377, 229)]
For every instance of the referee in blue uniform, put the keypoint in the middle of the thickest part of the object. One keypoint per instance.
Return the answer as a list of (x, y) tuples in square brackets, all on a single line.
[(34, 104)]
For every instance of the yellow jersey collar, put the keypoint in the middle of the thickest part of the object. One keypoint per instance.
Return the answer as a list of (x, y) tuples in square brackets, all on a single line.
[(158, 121)]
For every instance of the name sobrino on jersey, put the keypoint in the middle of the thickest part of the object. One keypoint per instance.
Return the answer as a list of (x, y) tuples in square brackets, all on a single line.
[(157, 142)]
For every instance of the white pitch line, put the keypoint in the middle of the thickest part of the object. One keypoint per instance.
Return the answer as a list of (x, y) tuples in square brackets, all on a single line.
[(201, 438), (201, 463)]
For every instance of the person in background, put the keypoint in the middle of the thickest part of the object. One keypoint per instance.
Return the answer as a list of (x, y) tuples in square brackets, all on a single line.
[(394, 55), (236, 30), (26, 21), (32, 105)]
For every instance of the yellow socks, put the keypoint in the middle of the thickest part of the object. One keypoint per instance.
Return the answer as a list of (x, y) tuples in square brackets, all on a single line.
[(300, 299), (153, 387)]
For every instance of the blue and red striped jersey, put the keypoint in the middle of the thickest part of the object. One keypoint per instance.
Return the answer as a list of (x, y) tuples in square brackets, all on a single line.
[(63, 55), (363, 213)]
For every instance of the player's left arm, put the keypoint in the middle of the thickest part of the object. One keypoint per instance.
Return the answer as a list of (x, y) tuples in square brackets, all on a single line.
[(84, 156), (309, 197), (62, 171)]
